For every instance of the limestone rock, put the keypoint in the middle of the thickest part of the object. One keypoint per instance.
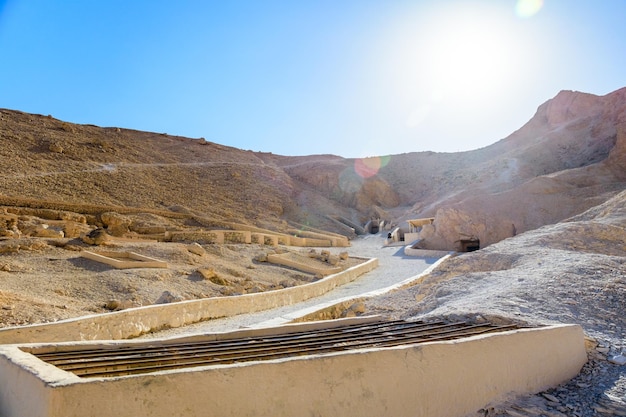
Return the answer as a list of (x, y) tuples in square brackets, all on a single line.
[(168, 297), (196, 248), (210, 275), (55, 147), (354, 310), (96, 237), (31, 226), (261, 257), (117, 305), (4, 232), (112, 305), (15, 245), (45, 231), (333, 260), (147, 224), (72, 229), (116, 224)]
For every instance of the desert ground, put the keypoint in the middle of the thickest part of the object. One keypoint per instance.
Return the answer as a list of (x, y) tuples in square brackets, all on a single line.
[(570, 272), (48, 280)]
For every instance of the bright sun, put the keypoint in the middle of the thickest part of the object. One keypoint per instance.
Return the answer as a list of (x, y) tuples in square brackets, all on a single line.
[(470, 54), (457, 56)]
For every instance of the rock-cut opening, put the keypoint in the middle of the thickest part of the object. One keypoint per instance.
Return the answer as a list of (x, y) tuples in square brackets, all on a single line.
[(470, 245)]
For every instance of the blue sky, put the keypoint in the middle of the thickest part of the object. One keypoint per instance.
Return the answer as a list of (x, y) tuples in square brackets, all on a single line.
[(348, 77)]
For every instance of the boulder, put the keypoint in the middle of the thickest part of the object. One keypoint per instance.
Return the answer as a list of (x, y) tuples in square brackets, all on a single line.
[(168, 297), (96, 237), (115, 223), (46, 231), (31, 227), (148, 224), (196, 249), (72, 229)]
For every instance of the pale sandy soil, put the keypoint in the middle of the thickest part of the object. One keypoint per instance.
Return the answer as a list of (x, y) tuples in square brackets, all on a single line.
[(49, 280)]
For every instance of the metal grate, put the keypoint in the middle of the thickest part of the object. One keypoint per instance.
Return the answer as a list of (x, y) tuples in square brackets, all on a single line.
[(146, 358)]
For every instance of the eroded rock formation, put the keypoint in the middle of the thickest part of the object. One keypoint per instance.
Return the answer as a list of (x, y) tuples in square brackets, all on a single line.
[(578, 142)]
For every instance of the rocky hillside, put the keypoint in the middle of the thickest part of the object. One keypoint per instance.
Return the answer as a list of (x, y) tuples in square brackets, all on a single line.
[(569, 157)]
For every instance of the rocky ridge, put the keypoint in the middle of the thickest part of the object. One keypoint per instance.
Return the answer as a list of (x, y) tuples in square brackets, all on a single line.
[(569, 157)]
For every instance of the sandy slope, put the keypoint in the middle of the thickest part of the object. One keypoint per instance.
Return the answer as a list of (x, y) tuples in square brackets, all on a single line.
[(570, 272)]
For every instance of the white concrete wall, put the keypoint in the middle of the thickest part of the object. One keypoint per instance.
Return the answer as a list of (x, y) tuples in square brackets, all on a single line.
[(443, 379), (283, 259), (22, 391), (410, 237), (425, 253), (134, 322), (123, 260)]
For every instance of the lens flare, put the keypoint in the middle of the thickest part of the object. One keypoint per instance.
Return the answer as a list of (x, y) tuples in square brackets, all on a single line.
[(368, 167), (351, 179), (528, 8)]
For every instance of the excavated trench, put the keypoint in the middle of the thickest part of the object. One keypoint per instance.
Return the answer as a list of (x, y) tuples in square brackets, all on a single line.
[(147, 357)]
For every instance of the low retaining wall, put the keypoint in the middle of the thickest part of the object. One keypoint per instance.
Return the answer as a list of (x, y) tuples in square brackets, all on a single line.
[(123, 260), (244, 236), (425, 253), (136, 321), (213, 236), (265, 239), (312, 237), (443, 379), (284, 260)]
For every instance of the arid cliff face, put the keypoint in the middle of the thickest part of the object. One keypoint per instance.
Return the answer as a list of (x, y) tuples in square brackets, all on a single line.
[(569, 157)]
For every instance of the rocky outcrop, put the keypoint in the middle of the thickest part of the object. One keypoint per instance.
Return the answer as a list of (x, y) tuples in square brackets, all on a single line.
[(96, 237), (578, 140), (115, 223), (570, 105)]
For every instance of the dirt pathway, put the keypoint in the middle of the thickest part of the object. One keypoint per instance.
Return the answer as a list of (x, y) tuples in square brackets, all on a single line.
[(394, 268)]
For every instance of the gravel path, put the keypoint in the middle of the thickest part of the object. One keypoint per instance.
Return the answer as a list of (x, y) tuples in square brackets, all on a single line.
[(394, 268)]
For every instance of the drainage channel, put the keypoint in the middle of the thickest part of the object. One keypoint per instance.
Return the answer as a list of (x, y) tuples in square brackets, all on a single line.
[(149, 357)]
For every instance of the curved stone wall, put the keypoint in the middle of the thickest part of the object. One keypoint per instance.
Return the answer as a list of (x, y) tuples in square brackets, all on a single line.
[(134, 322)]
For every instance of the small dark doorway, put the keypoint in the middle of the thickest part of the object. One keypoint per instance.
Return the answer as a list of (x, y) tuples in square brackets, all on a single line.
[(470, 245)]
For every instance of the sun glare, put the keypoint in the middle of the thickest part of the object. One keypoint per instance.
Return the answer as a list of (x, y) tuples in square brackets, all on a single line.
[(528, 8), (469, 56), (456, 57)]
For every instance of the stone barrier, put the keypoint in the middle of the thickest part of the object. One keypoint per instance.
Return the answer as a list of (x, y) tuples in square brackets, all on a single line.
[(444, 379), (284, 260), (137, 321), (123, 260)]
